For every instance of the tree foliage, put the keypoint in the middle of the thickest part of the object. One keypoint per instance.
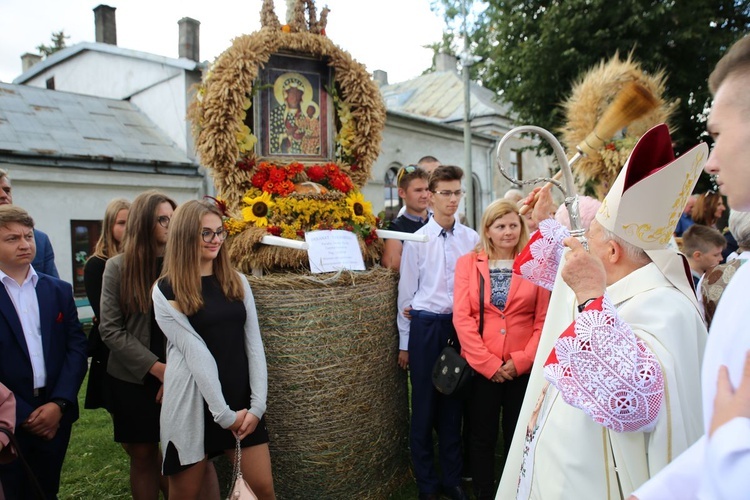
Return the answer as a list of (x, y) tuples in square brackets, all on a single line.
[(533, 50), (58, 43)]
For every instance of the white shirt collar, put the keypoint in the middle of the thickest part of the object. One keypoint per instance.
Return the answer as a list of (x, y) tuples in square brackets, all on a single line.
[(30, 276)]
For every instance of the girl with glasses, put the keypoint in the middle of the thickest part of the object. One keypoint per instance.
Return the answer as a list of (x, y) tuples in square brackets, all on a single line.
[(136, 360), (216, 380)]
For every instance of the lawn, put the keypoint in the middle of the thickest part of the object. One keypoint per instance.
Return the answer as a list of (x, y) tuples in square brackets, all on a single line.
[(97, 467)]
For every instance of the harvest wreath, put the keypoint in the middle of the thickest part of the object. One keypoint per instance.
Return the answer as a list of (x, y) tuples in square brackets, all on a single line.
[(298, 194)]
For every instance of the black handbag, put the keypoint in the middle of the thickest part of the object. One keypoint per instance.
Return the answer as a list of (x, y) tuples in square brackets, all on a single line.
[(35, 486), (452, 373)]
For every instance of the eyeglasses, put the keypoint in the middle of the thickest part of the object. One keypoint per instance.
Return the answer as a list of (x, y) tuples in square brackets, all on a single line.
[(410, 169), (208, 235), (163, 221), (447, 194)]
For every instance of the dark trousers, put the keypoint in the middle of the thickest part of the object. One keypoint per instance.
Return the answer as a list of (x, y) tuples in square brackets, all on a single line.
[(486, 401), (45, 459), (428, 334)]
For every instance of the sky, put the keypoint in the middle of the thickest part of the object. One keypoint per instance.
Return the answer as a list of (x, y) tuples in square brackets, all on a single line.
[(384, 34)]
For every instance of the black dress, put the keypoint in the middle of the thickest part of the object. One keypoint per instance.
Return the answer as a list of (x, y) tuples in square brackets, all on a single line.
[(221, 325), (97, 390)]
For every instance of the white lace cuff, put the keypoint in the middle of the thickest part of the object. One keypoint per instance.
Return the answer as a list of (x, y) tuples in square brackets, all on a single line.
[(601, 367)]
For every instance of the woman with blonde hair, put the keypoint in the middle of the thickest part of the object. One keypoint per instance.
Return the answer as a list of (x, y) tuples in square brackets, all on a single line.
[(137, 346), (109, 245), (216, 380), (498, 317)]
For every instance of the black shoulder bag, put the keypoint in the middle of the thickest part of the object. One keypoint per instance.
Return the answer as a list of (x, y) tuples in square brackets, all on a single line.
[(452, 373)]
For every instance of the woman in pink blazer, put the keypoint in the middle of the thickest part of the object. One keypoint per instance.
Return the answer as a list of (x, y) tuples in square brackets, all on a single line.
[(502, 355)]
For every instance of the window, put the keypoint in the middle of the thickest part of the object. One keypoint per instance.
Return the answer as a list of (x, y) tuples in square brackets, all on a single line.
[(393, 201), (83, 237), (51, 83)]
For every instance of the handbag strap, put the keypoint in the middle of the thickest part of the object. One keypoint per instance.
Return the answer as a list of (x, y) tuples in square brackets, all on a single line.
[(481, 304), (39, 492), (236, 470)]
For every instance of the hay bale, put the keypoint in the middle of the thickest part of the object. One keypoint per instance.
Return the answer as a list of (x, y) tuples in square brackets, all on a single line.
[(337, 401)]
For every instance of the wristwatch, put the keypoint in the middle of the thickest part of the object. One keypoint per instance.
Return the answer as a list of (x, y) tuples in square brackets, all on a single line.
[(63, 404), (581, 307)]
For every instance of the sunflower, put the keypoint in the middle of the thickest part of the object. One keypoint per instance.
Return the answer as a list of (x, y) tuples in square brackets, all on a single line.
[(358, 207), (257, 209)]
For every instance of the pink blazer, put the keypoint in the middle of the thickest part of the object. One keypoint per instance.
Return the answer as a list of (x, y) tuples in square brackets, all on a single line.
[(512, 333)]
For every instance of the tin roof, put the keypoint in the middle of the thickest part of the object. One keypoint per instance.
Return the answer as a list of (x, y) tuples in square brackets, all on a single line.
[(440, 96), (53, 124)]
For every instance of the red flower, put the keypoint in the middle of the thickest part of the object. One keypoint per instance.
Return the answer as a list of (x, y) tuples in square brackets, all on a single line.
[(246, 164), (341, 182), (354, 168), (294, 168), (274, 230), (269, 187), (260, 178), (611, 146), (332, 169), (300, 233), (316, 173), (285, 187), (277, 174)]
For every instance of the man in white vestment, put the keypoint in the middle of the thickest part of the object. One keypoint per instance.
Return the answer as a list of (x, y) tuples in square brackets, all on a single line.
[(718, 465), (613, 393)]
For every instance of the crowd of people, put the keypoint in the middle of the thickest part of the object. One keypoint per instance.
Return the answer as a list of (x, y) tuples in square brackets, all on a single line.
[(587, 352)]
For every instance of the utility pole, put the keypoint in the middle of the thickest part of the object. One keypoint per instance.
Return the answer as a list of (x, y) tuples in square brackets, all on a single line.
[(466, 62)]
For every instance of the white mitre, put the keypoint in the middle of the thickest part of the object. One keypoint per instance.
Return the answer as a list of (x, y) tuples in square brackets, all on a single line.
[(647, 198)]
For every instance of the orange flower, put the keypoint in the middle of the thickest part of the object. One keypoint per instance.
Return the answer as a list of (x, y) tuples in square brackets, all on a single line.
[(286, 28)]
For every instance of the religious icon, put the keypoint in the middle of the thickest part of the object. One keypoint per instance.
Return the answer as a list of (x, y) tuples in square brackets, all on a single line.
[(294, 109)]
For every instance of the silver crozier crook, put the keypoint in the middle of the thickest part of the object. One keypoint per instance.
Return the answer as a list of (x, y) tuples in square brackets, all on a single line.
[(569, 189)]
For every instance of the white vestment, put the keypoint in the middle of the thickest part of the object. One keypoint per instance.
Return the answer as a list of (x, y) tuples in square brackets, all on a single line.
[(716, 467), (568, 455)]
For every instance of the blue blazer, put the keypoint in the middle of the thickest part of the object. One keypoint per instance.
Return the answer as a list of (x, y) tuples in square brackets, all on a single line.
[(63, 342), (44, 260)]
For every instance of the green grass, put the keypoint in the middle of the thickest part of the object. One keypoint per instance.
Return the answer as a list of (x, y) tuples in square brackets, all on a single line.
[(97, 467)]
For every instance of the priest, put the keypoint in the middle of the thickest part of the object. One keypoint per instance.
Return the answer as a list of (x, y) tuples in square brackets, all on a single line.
[(612, 397)]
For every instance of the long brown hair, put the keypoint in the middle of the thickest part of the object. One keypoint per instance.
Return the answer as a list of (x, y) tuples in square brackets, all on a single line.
[(704, 210), (107, 247), (495, 210), (183, 255), (140, 252)]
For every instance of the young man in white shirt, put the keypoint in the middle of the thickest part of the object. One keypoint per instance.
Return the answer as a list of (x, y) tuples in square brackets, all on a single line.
[(413, 188), (42, 358), (717, 465), (426, 286)]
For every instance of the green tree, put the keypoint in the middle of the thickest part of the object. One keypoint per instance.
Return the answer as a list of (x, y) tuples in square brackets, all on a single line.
[(58, 43), (533, 50)]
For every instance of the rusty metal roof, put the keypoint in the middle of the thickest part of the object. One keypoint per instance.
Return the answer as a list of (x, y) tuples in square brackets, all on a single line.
[(440, 96), (48, 123)]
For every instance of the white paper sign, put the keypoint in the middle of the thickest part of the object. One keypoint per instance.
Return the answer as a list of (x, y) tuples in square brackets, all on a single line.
[(333, 250)]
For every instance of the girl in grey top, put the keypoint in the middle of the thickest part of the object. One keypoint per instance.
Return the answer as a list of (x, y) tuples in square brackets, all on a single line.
[(216, 381)]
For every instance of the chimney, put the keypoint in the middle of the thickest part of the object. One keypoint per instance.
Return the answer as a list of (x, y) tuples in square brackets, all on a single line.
[(28, 60), (380, 77), (189, 43), (106, 25), (445, 62)]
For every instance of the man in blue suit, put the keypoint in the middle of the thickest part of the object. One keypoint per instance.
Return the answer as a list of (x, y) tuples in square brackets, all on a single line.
[(44, 261), (42, 357)]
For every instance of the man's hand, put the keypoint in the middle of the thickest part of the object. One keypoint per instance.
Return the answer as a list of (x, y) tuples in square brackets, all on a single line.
[(160, 394), (407, 312), (730, 403), (403, 359), (44, 421), (584, 273)]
